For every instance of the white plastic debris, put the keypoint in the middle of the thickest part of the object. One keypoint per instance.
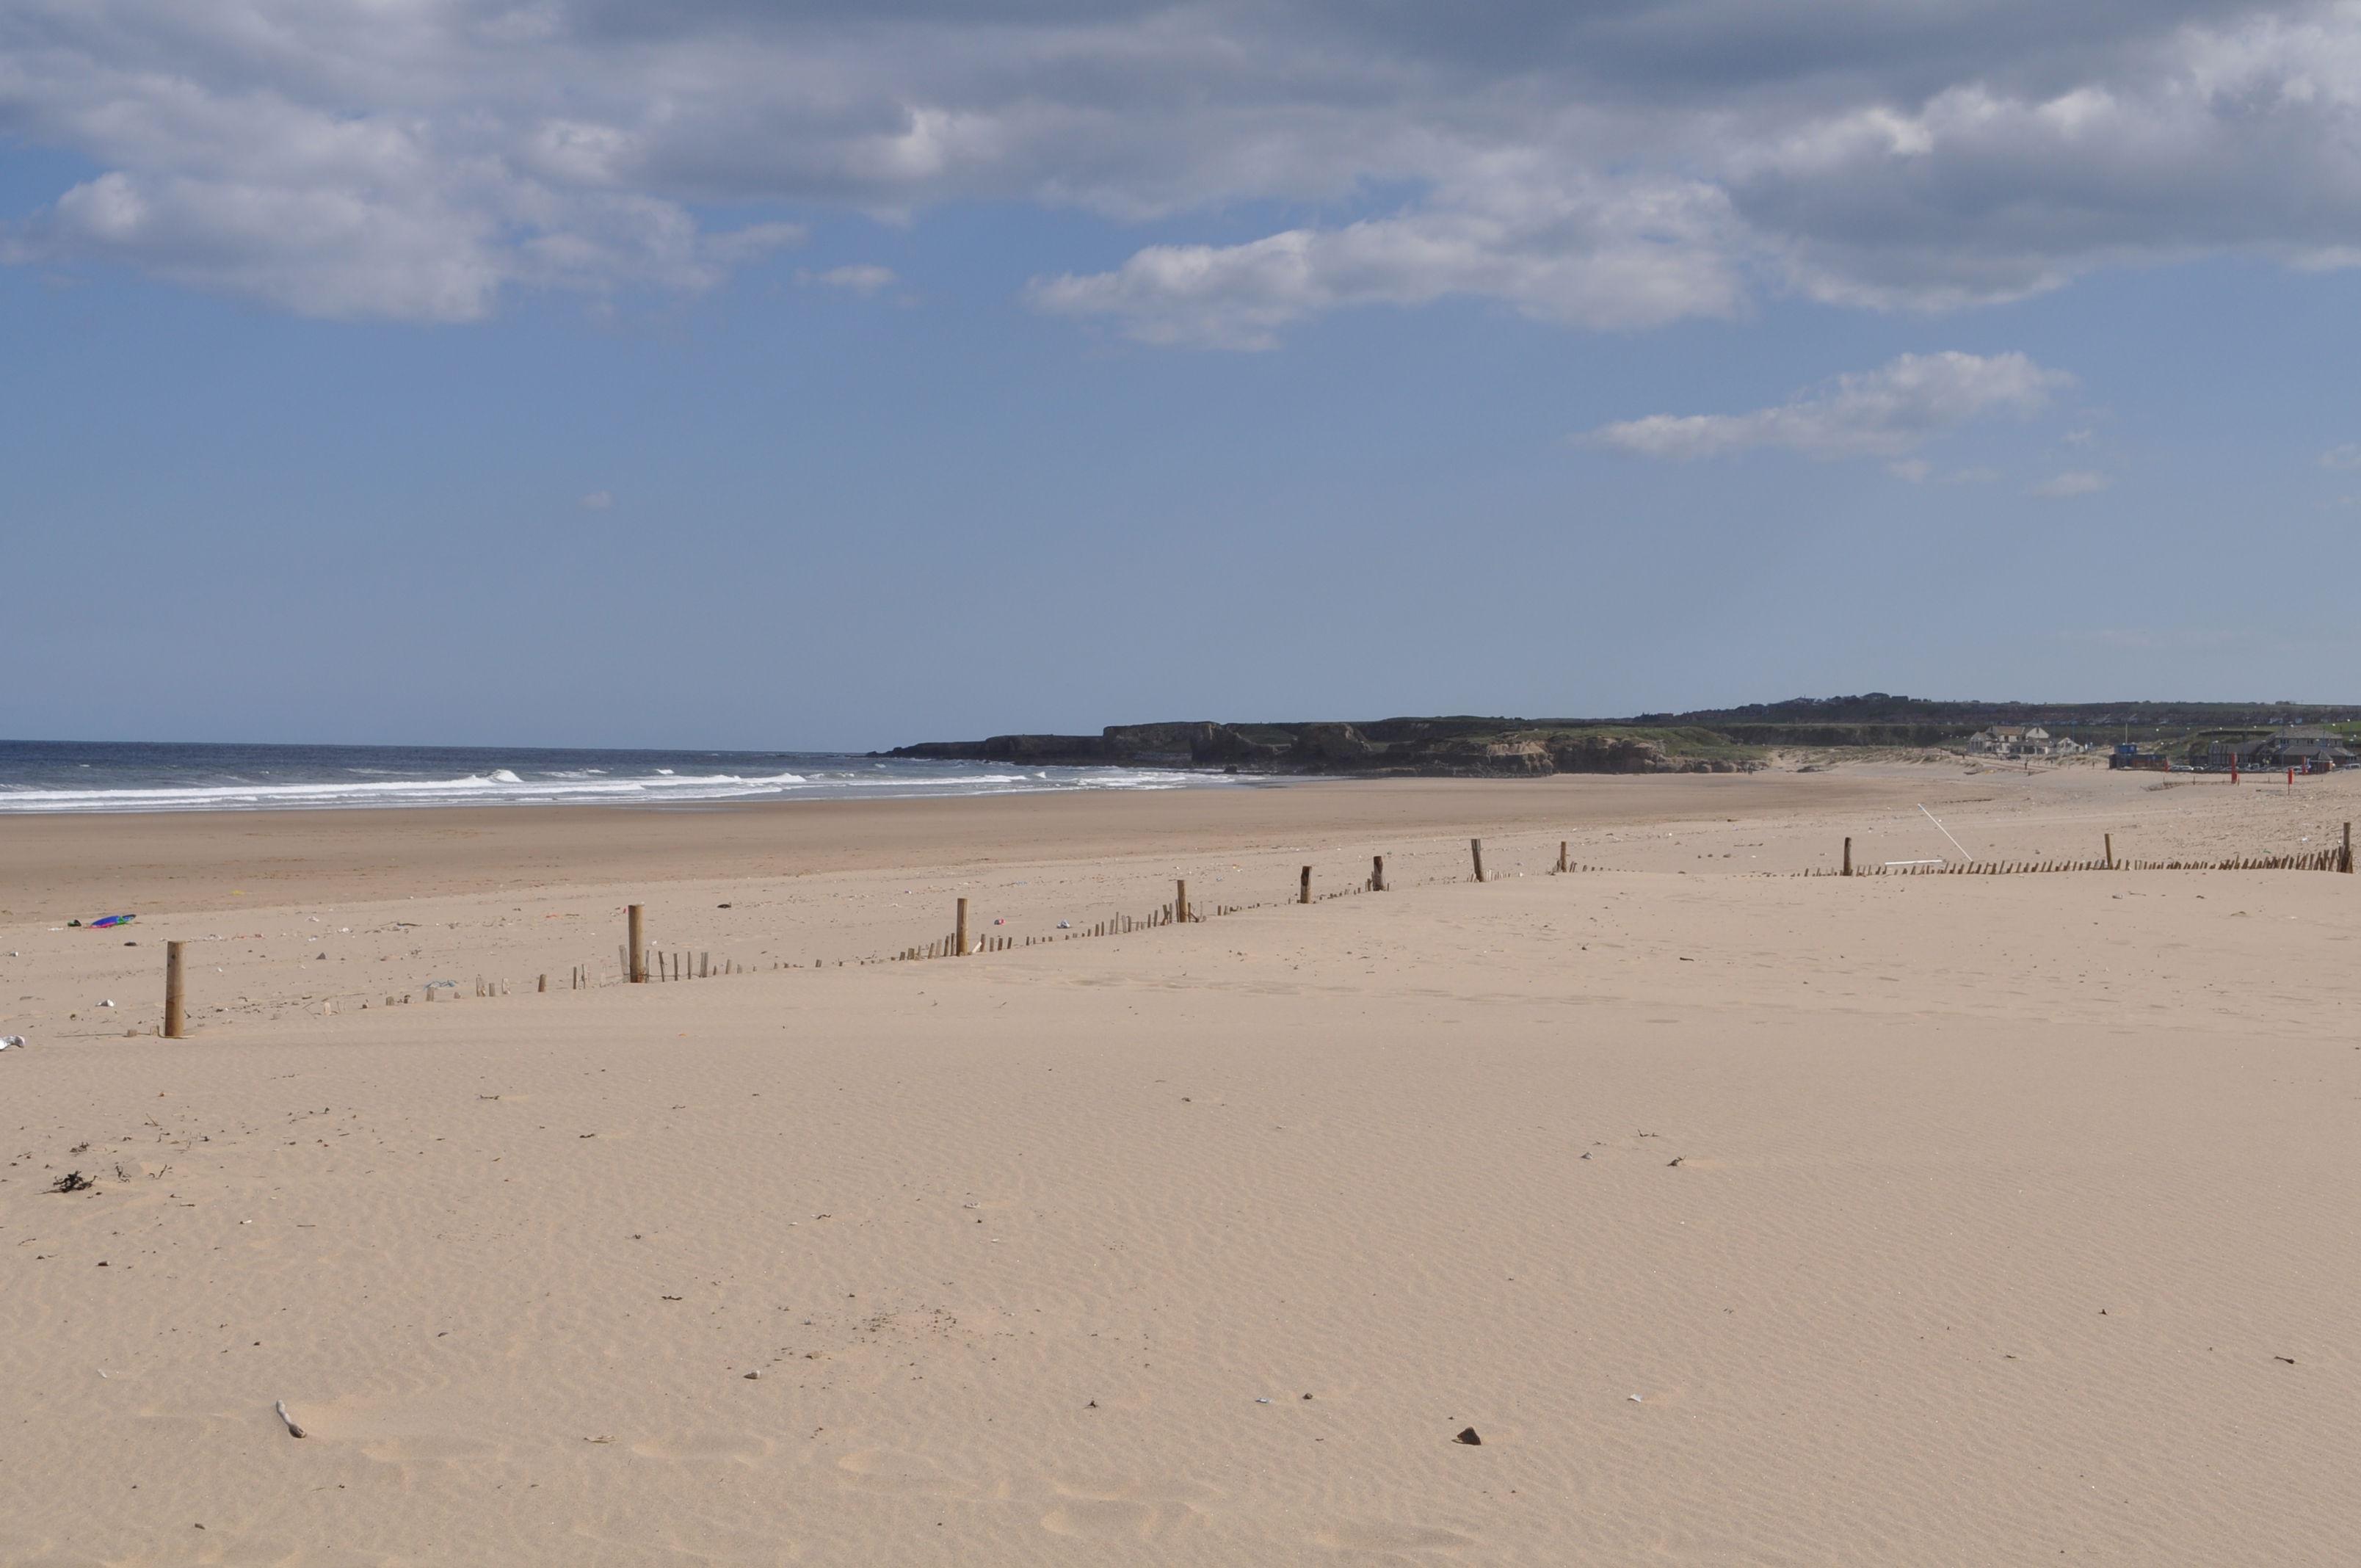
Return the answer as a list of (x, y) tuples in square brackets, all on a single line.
[(1637, 1400), (8, 1040)]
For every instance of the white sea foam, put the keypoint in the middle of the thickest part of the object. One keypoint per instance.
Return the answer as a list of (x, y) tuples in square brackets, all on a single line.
[(580, 787), (500, 785)]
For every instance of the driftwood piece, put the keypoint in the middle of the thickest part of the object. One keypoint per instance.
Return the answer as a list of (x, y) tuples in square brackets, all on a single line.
[(292, 1430)]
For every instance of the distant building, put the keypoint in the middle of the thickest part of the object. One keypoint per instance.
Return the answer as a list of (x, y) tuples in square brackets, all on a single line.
[(2019, 740), (2310, 747)]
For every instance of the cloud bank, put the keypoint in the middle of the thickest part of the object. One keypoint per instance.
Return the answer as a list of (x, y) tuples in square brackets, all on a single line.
[(1884, 412), (1619, 163)]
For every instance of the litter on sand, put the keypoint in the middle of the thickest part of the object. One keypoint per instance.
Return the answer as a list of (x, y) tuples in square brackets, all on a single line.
[(8, 1040), (102, 922)]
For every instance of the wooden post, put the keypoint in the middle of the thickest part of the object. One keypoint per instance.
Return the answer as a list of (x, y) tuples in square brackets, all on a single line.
[(1303, 891), (2111, 850), (961, 932), (1377, 873), (1476, 848), (176, 1013), (1180, 904), (544, 985), (1848, 860), (638, 947), (2346, 865), (1561, 854)]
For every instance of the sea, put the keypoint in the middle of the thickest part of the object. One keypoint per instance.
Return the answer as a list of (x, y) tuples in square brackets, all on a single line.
[(104, 776)]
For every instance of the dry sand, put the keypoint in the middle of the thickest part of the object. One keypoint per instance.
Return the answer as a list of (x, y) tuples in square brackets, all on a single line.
[(1931, 1219)]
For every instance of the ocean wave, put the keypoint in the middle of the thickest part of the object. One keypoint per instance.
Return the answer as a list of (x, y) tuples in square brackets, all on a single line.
[(34, 778), (499, 785)]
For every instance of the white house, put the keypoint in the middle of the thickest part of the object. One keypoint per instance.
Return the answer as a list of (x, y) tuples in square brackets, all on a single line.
[(2019, 740)]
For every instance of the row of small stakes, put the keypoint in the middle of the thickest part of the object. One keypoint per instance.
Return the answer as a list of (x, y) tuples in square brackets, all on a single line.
[(643, 964), (2335, 858), (1179, 912)]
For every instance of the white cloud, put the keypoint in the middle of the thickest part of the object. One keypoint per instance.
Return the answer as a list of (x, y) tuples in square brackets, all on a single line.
[(1607, 165), (2081, 483), (860, 280), (1868, 413), (1914, 470), (598, 500), (2348, 455), (1599, 255)]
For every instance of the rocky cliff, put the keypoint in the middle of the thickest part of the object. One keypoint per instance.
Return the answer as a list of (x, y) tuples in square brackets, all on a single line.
[(1427, 747)]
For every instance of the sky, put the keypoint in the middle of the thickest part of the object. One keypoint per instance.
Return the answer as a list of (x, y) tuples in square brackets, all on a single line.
[(816, 376)]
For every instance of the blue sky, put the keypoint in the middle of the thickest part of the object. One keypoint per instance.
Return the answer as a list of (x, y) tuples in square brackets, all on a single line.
[(449, 372)]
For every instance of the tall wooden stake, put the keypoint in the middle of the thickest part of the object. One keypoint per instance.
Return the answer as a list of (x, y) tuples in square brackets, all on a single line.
[(962, 927), (1561, 854), (636, 925), (1848, 860), (1180, 903), (2346, 864), (1377, 873), (2111, 850), (1303, 894), (1476, 848), (176, 1013)]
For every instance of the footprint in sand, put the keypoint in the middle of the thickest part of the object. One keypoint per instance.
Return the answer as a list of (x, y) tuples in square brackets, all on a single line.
[(188, 1424), (411, 1448), (1124, 1510), (885, 1470), (689, 1549), (704, 1445), (1391, 1538), (27, 1552), (260, 1552), (1699, 1551), (1103, 1518)]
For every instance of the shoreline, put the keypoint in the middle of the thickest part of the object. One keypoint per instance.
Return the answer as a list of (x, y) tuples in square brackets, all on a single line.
[(164, 862)]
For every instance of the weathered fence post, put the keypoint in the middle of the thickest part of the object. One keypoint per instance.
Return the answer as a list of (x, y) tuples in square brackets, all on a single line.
[(1377, 873), (2345, 861), (1476, 848), (1180, 902), (1303, 890), (1848, 859), (1561, 855), (636, 923), (176, 1013), (2111, 850), (961, 928), (544, 985)]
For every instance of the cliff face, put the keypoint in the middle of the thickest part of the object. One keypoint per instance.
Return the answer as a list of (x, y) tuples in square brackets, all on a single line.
[(1448, 748)]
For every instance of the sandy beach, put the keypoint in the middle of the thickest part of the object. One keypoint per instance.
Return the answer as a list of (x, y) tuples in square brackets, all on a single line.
[(1749, 1218)]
